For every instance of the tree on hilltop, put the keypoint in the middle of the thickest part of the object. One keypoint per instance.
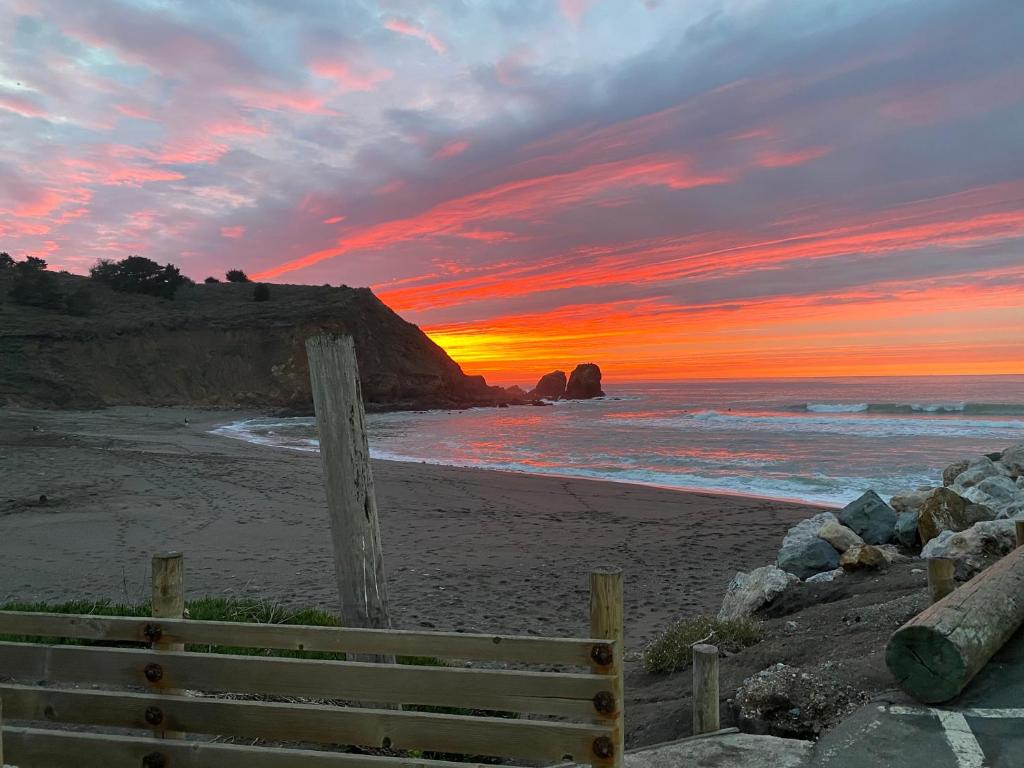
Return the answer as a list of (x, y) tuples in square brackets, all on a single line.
[(236, 276), (211, 280), (137, 274), (6, 262), (34, 285)]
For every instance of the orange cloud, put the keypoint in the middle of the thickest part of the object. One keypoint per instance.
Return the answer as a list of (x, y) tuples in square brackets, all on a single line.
[(404, 27)]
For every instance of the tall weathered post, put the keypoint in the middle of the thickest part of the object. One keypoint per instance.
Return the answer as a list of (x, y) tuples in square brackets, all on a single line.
[(167, 602), (606, 623), (355, 530)]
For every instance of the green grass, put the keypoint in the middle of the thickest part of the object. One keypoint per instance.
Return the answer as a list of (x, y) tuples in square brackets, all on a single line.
[(671, 651), (245, 610)]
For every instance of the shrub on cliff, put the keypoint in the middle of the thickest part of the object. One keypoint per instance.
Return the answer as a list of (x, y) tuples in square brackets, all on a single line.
[(261, 292), (236, 276), (35, 286), (211, 280), (137, 274), (671, 651)]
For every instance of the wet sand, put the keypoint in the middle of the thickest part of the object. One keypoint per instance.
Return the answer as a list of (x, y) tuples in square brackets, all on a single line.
[(475, 550)]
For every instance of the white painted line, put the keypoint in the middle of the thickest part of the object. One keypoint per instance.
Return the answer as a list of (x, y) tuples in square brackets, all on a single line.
[(1007, 714), (961, 739)]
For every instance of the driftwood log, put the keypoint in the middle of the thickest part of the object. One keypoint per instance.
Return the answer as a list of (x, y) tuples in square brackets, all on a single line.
[(938, 652)]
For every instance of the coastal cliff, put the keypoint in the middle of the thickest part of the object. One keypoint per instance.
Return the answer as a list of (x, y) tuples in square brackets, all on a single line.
[(214, 346)]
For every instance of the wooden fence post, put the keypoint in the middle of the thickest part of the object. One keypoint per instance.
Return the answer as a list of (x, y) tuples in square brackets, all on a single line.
[(1019, 528), (606, 623), (1, 732), (168, 602), (355, 530), (940, 577), (705, 689)]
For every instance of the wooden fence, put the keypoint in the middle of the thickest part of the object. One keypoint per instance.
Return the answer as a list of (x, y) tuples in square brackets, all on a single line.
[(163, 703)]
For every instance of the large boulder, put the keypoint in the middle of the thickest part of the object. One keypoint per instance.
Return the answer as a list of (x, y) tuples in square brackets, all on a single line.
[(749, 591), (839, 536), (906, 529), (1013, 461), (950, 473), (862, 556), (870, 518), (977, 470), (946, 510), (804, 554), (584, 382), (975, 549), (550, 386)]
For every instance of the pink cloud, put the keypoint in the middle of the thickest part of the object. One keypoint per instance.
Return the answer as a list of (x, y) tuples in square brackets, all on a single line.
[(347, 76), (411, 29), (39, 204), (451, 149), (283, 101), (775, 159), (232, 232), (129, 110), (575, 10), (20, 105), (334, 220)]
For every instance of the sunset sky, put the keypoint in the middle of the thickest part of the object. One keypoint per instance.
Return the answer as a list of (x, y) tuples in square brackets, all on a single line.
[(672, 189)]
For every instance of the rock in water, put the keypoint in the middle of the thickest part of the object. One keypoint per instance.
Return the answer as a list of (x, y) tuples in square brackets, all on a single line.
[(946, 510), (749, 591), (550, 386), (974, 549), (584, 383), (870, 518), (906, 529), (862, 556), (839, 536), (803, 554)]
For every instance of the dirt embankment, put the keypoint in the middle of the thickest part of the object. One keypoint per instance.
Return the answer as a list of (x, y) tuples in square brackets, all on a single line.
[(214, 346)]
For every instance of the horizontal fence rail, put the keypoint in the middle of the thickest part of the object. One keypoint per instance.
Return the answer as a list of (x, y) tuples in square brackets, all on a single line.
[(444, 645), (43, 748), (526, 739), (544, 693)]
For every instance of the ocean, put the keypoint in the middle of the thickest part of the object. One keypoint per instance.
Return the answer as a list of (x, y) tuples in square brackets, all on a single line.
[(815, 440)]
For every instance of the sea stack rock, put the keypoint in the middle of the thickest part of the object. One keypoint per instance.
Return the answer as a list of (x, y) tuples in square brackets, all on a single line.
[(584, 383), (551, 386)]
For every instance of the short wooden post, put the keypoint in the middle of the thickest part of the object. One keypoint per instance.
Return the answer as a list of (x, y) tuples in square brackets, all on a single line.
[(940, 577), (606, 623), (352, 506), (1, 732), (1019, 528), (705, 689), (168, 602)]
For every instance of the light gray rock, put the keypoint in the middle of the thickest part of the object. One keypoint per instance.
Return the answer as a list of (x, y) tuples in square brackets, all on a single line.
[(749, 591), (910, 501), (906, 529), (803, 554), (1013, 461), (870, 518), (825, 576), (998, 488), (839, 536), (977, 470), (974, 549), (892, 554)]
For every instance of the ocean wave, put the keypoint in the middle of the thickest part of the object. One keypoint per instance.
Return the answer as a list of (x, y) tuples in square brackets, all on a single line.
[(977, 409)]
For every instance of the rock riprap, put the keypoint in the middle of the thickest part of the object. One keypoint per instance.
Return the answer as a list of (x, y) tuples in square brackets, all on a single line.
[(803, 553), (747, 592), (870, 518), (974, 549)]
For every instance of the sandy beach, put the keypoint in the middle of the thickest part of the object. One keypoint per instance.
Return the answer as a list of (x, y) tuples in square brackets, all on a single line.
[(465, 549)]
